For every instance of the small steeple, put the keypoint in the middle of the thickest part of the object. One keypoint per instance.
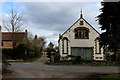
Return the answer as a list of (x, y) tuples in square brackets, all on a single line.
[(81, 16)]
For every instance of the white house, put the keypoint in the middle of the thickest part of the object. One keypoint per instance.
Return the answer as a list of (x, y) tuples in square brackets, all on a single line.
[(81, 39)]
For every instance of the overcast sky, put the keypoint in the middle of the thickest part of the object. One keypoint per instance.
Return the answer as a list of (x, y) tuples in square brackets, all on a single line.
[(48, 19)]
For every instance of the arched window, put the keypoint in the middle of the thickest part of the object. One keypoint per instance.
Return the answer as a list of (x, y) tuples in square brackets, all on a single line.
[(81, 33), (65, 45)]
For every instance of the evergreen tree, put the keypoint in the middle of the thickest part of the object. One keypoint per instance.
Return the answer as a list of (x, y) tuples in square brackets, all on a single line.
[(109, 20)]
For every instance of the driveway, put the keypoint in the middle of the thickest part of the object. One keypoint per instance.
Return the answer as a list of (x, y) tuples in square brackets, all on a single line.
[(38, 69)]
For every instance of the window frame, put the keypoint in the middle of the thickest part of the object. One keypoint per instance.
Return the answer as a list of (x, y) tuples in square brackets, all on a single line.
[(81, 33)]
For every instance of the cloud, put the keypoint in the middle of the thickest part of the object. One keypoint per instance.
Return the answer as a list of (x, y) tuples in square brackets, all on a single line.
[(51, 18), (58, 16)]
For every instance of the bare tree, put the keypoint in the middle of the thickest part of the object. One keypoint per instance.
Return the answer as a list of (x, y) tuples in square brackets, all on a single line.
[(30, 36), (13, 21)]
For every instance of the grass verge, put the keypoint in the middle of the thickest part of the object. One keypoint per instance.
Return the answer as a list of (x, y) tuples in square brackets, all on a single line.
[(90, 63), (25, 60), (115, 76), (31, 59)]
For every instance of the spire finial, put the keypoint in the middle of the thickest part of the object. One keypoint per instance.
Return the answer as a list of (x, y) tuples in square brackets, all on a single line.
[(81, 16), (81, 10)]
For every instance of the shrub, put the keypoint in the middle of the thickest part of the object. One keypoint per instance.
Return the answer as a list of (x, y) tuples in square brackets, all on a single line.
[(20, 52), (37, 51), (50, 51), (56, 57), (7, 53), (77, 60), (23, 51), (5, 65)]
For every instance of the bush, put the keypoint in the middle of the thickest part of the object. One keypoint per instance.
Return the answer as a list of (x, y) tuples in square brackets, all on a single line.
[(53, 55), (56, 57), (7, 53), (110, 56), (77, 60), (50, 51), (23, 51), (20, 52), (103, 63), (5, 65)]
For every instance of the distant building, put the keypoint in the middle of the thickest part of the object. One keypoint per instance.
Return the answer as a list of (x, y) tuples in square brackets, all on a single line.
[(51, 45), (38, 41), (81, 39), (56, 48), (17, 37)]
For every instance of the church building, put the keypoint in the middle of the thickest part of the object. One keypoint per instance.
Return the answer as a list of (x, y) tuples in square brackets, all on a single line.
[(81, 39)]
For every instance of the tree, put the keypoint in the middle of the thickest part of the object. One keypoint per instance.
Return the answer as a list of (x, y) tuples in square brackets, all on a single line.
[(30, 36), (38, 41), (13, 22), (51, 45), (50, 52), (109, 20), (37, 45)]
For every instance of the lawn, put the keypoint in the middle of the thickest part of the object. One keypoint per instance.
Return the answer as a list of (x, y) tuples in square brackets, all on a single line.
[(111, 77)]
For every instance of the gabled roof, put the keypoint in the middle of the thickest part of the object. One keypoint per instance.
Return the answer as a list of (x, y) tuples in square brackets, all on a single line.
[(91, 26), (76, 22), (7, 36), (51, 44)]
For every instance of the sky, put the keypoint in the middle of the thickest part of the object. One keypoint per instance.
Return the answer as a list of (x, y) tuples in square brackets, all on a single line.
[(49, 19)]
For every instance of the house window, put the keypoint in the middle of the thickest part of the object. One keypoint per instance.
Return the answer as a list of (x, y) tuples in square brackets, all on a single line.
[(97, 46), (65, 45), (81, 33)]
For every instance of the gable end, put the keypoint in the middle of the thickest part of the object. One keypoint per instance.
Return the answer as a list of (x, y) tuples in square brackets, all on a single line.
[(76, 22), (70, 27)]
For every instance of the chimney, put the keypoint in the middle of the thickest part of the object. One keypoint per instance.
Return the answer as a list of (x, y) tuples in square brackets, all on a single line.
[(26, 33), (0, 28), (35, 36)]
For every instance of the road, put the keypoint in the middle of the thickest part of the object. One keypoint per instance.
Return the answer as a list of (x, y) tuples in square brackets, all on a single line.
[(38, 69)]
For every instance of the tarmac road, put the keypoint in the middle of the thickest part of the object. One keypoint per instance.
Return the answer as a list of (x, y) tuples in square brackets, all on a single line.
[(38, 69)]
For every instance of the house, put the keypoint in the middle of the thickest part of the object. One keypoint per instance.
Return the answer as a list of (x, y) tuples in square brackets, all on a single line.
[(17, 37), (81, 39), (51, 45), (38, 41)]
